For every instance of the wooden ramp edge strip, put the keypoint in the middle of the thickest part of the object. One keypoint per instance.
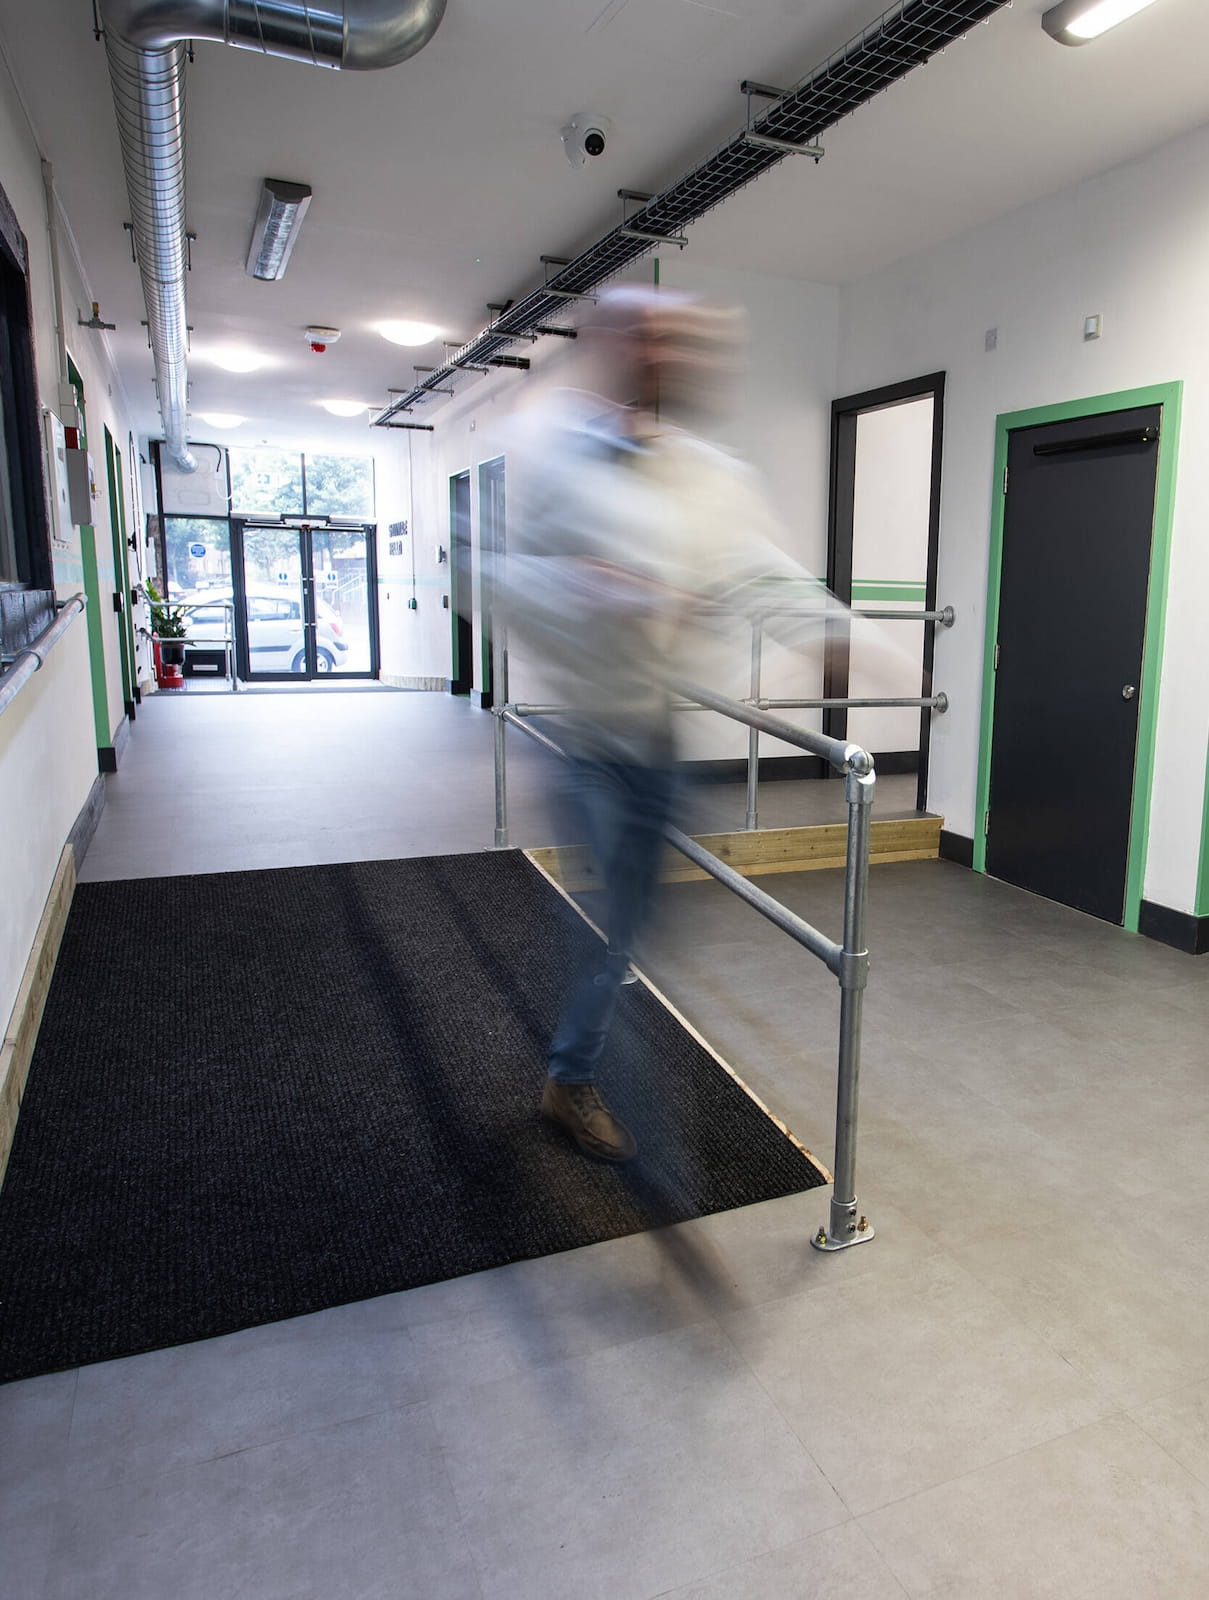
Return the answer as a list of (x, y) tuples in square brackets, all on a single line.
[(688, 1027), (18, 1047), (760, 851)]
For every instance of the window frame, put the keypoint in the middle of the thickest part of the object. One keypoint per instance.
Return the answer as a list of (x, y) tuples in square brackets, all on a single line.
[(23, 410)]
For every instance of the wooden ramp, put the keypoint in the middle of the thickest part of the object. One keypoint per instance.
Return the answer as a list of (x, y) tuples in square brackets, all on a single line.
[(764, 850)]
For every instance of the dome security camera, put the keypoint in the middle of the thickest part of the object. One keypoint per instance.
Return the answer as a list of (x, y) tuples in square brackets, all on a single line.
[(585, 136)]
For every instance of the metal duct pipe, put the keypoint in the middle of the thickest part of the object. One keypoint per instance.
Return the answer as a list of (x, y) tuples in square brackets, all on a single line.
[(145, 44)]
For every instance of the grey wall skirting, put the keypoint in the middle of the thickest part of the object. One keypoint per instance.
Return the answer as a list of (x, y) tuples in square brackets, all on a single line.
[(85, 824)]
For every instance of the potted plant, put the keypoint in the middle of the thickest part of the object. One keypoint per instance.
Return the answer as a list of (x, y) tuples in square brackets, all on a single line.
[(168, 622)]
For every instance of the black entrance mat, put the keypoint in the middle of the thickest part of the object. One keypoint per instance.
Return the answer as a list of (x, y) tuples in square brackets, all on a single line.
[(259, 1094)]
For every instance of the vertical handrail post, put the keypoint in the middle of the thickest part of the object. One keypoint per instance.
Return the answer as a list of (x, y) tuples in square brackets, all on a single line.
[(499, 704), (847, 1227), (753, 734), (501, 782)]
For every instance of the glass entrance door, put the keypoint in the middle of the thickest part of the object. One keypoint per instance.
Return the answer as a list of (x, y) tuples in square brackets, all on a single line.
[(306, 602)]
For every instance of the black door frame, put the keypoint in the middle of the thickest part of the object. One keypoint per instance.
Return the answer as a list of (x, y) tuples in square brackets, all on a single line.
[(304, 528), (492, 539), (844, 414), (1141, 916), (461, 587)]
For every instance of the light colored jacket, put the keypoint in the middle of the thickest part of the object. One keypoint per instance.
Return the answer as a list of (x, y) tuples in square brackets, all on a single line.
[(622, 545)]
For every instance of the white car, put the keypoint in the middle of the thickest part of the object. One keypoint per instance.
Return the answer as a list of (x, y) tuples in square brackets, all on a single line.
[(276, 642)]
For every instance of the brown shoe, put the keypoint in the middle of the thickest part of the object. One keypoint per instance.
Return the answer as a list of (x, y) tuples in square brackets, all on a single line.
[(579, 1108)]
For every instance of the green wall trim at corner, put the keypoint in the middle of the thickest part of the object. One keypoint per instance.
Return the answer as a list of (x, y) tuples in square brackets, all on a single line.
[(96, 638), (1170, 397), (1202, 882)]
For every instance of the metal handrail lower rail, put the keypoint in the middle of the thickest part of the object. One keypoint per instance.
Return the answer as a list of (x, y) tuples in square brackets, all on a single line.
[(848, 961), (928, 702), (946, 615), (28, 660)]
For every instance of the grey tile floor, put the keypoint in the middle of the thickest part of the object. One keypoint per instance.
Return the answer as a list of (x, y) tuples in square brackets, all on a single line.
[(1004, 1395)]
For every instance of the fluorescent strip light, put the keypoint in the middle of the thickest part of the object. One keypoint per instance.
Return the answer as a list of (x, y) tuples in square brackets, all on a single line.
[(275, 232), (221, 419), (1078, 21)]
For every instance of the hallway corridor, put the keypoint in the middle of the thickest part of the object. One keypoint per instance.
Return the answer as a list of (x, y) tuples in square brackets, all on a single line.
[(1004, 1397)]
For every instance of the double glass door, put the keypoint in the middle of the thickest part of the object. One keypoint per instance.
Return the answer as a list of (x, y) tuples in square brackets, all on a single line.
[(305, 602)]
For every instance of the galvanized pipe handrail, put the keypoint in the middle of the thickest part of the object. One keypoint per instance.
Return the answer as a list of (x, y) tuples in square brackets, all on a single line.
[(928, 702), (227, 640), (25, 662), (848, 961), (798, 929), (842, 755), (946, 616)]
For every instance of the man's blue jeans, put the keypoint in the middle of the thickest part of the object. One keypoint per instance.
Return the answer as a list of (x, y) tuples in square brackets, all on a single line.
[(621, 812)]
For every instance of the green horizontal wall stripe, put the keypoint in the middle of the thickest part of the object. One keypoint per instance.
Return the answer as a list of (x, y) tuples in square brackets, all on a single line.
[(875, 589)]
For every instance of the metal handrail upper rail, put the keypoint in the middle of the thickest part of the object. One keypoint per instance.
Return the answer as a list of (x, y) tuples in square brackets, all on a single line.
[(842, 755), (25, 662)]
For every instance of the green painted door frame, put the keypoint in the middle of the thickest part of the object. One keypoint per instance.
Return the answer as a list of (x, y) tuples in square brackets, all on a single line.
[(94, 614), (1202, 890), (117, 529), (1170, 397)]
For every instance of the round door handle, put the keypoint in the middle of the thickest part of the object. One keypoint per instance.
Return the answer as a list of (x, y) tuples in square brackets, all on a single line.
[(1128, 692)]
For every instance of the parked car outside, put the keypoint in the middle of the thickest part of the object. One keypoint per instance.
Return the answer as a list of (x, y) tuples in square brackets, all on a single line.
[(276, 641)]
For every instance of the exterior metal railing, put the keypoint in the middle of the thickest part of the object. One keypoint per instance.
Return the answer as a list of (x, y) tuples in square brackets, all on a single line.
[(847, 959), (19, 668), (195, 641)]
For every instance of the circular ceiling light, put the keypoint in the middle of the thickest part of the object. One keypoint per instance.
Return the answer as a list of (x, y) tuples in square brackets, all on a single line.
[(344, 408), (408, 332), (237, 358), (221, 419)]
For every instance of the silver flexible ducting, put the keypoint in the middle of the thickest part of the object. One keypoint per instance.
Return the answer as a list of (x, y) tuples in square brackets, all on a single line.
[(145, 44)]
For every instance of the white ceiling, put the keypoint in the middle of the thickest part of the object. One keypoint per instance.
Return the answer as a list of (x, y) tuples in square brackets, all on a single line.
[(438, 184)]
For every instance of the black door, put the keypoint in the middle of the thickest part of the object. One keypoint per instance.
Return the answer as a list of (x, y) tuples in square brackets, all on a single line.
[(461, 674), (491, 552), (1078, 521)]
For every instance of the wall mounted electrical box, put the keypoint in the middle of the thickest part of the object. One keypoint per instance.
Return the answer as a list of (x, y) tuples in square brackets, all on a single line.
[(56, 481), (81, 480)]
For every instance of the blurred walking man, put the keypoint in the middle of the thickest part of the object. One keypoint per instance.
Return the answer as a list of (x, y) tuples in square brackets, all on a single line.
[(630, 528)]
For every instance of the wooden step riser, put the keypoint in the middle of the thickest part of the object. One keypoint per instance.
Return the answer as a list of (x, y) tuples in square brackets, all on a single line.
[(762, 851)]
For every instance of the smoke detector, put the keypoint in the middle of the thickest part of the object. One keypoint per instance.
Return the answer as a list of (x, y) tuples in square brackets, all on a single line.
[(320, 338)]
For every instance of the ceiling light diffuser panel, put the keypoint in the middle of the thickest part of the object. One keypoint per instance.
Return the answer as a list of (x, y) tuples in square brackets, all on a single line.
[(411, 333), (1080, 21)]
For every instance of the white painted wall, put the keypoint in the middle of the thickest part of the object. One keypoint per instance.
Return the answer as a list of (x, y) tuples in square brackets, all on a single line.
[(891, 505), (1131, 244), (48, 758), (780, 424), (47, 766)]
